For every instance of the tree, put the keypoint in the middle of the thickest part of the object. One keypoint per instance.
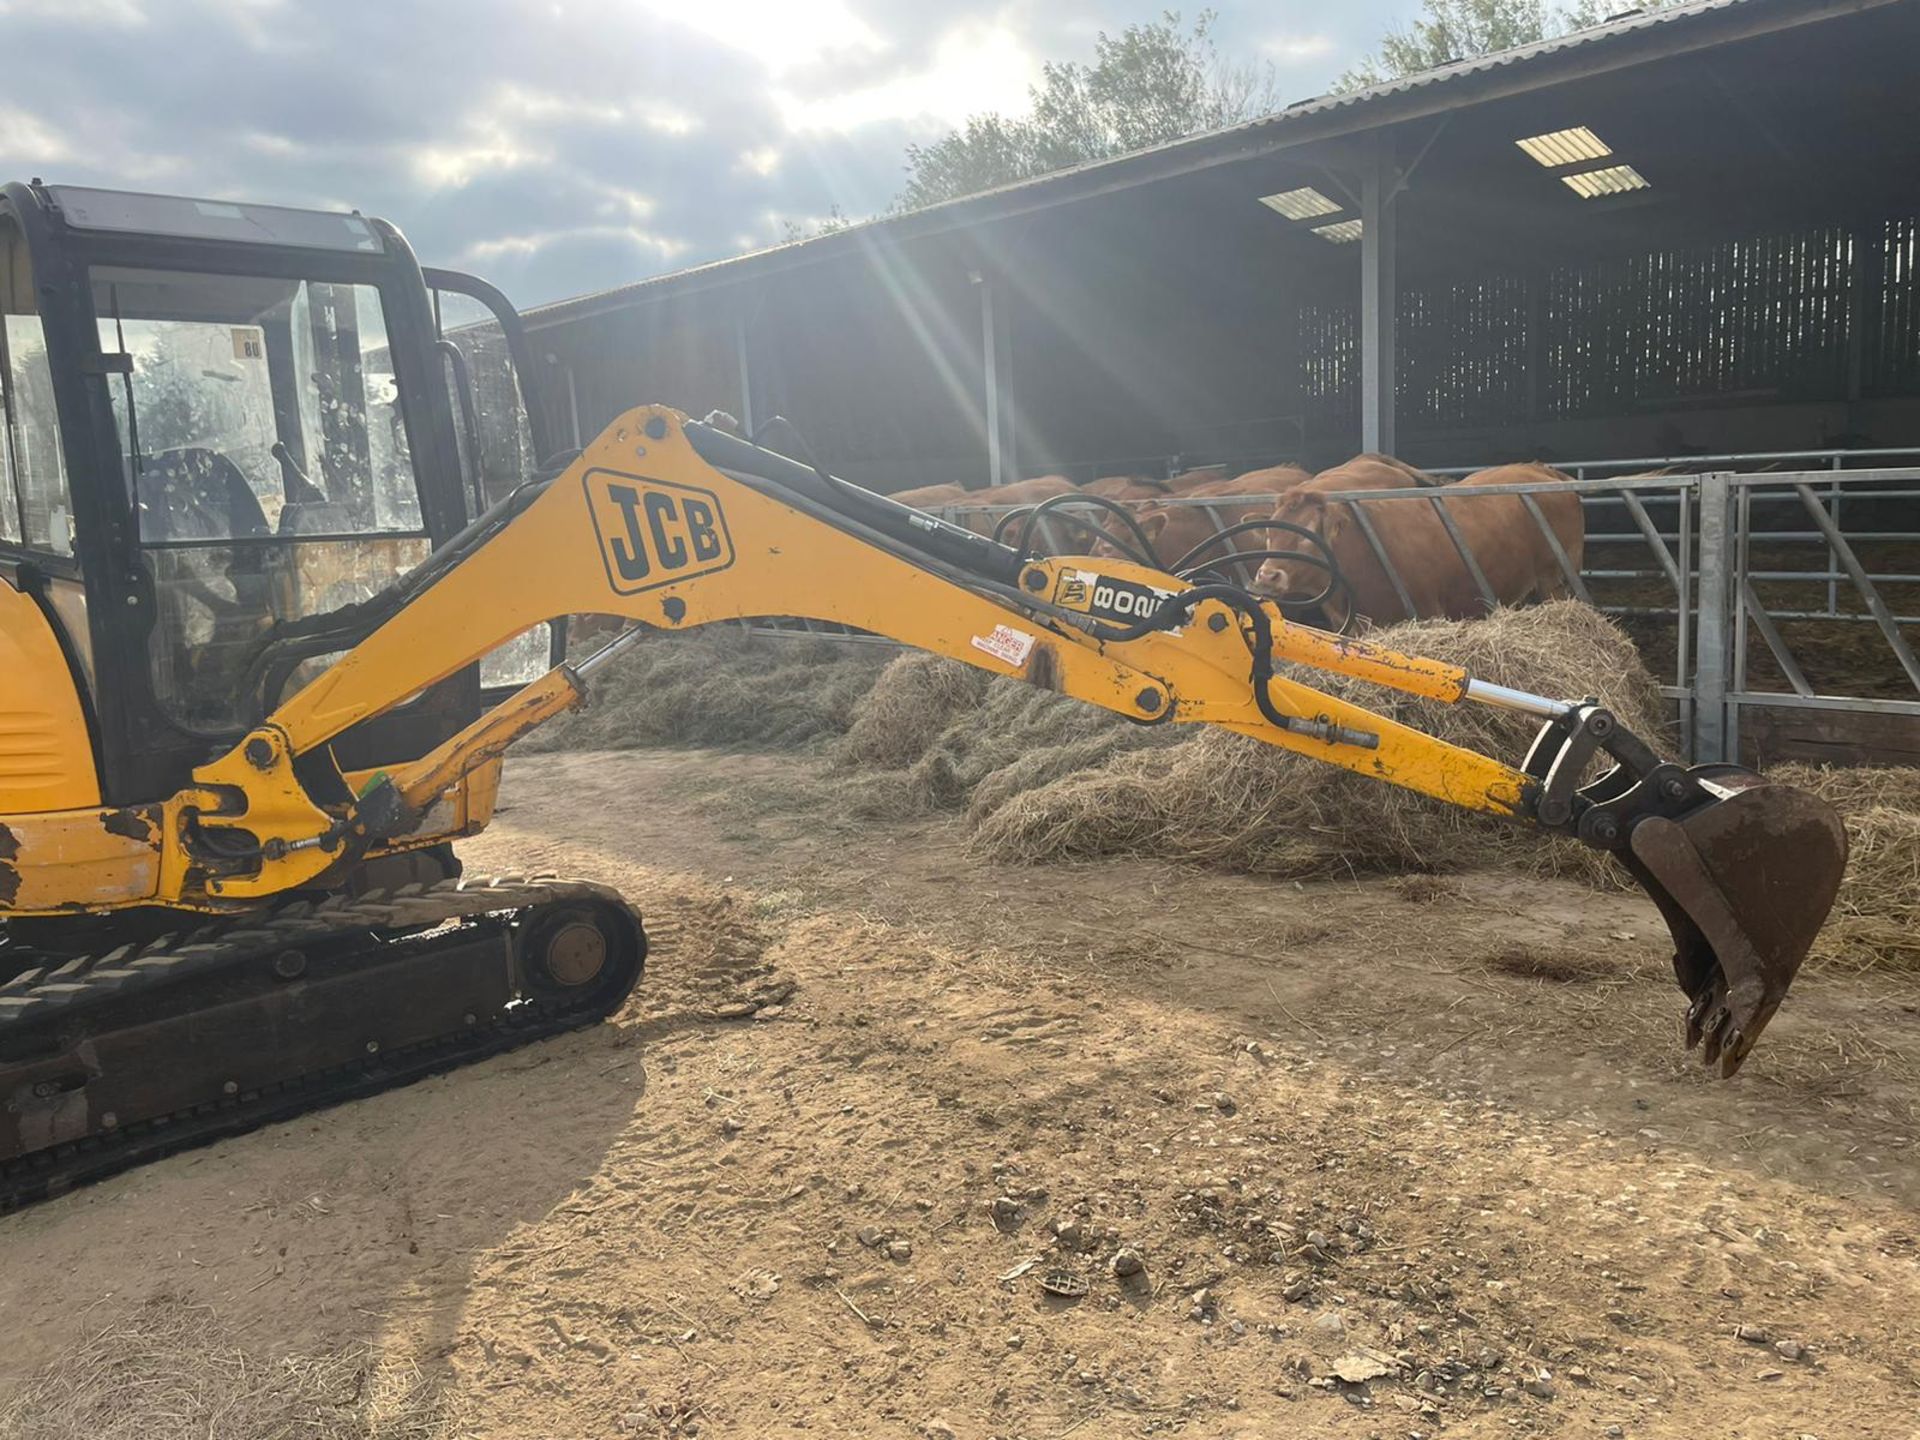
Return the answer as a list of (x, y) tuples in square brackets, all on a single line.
[(792, 229), (1149, 84), (1449, 30)]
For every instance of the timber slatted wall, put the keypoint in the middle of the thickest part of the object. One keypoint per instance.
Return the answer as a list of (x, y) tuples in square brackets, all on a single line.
[(1762, 318), (1893, 366), (1329, 339), (1463, 352), (1756, 318)]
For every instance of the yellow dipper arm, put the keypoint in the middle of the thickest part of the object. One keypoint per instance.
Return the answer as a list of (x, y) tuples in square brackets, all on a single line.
[(642, 526)]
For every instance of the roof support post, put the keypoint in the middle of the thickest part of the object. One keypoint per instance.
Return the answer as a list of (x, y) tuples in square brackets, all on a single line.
[(1713, 620), (1008, 405), (573, 398), (1379, 183), (746, 371), (998, 471)]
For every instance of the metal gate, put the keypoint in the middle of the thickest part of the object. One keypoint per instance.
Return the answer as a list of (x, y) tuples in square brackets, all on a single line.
[(1750, 595)]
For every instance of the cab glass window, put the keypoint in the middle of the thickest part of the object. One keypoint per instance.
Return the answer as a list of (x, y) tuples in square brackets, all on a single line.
[(496, 441), (265, 452), (255, 406), (34, 507), (496, 447)]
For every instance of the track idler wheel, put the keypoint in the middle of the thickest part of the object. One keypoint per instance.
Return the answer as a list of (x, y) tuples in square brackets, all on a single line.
[(1745, 882), (574, 953)]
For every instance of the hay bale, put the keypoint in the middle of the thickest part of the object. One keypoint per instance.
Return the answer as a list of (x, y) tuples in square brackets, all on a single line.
[(1042, 777), (945, 736), (1224, 799), (1856, 789), (1876, 918), (170, 1371), (900, 719), (721, 687)]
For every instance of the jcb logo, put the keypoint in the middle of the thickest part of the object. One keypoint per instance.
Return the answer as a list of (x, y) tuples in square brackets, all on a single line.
[(654, 533)]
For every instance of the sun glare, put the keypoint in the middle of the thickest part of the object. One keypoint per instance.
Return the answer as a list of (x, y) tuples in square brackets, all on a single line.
[(781, 34), (974, 69)]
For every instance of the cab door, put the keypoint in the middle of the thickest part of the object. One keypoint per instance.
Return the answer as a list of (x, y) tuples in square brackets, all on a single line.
[(48, 757), (502, 429)]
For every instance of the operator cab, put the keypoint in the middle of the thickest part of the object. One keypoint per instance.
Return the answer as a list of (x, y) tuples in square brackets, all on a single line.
[(223, 424)]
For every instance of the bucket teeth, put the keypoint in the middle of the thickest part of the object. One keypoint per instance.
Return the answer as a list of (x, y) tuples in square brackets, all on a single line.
[(1717, 1038), (1711, 1026)]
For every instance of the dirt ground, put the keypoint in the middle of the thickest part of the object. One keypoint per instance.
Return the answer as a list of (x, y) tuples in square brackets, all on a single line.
[(1396, 1158)]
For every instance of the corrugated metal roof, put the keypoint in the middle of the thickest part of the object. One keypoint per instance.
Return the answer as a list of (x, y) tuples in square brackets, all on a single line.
[(1627, 23), (1682, 27)]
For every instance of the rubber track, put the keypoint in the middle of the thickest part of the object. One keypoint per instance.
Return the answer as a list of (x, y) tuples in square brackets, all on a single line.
[(39, 995), (60, 994)]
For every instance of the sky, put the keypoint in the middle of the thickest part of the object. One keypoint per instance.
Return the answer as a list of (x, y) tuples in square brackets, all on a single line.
[(561, 148)]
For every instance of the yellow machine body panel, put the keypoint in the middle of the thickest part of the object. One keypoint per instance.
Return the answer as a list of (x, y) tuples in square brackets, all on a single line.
[(110, 856), (113, 856), (46, 757)]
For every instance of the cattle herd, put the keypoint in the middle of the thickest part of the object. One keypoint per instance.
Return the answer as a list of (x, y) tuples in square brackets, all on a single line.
[(1512, 550)]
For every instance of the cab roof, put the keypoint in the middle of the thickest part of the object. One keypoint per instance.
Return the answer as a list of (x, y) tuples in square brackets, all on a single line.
[(125, 211)]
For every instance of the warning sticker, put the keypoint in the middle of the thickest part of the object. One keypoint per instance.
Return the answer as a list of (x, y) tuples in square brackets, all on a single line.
[(1006, 643), (249, 343)]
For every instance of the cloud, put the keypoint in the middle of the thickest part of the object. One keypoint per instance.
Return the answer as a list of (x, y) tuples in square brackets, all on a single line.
[(761, 160), (82, 13), (563, 147), (1294, 49), (973, 69), (453, 166), (782, 35), (521, 247), (30, 134)]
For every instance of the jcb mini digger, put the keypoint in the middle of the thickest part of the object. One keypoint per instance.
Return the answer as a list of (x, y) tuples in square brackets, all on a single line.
[(268, 512)]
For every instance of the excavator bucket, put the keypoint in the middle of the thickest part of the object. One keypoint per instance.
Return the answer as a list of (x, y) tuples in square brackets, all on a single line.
[(1745, 883)]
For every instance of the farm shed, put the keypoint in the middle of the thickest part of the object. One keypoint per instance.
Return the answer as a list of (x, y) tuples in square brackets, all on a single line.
[(1707, 244), (1688, 237)]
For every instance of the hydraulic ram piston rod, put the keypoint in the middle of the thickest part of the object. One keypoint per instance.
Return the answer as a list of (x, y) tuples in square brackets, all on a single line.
[(1487, 693)]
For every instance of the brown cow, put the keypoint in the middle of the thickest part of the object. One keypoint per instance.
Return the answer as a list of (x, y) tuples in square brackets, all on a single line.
[(1026, 492), (1305, 505), (931, 497), (1506, 544), (1145, 487), (1128, 490), (1022, 492), (1127, 487), (964, 505), (1565, 517), (1188, 481), (1173, 530)]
